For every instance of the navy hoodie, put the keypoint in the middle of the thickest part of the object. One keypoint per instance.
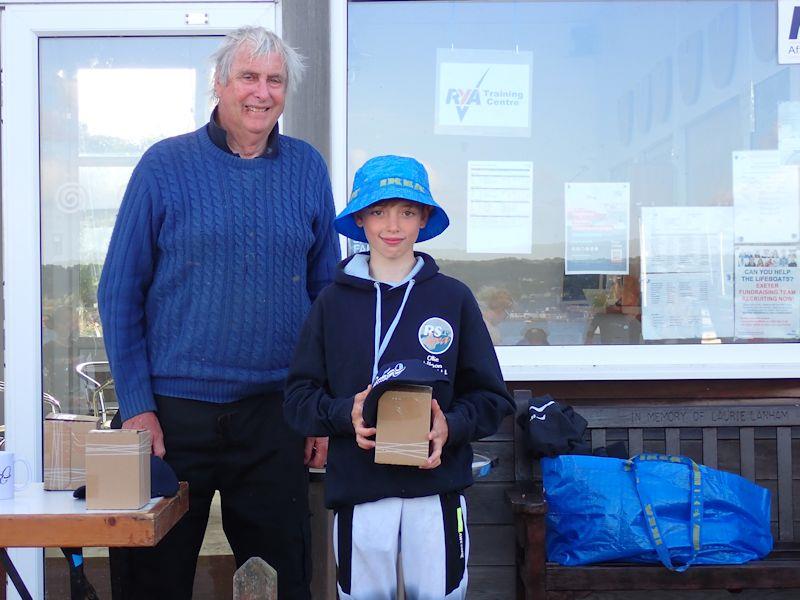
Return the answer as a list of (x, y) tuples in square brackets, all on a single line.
[(335, 359)]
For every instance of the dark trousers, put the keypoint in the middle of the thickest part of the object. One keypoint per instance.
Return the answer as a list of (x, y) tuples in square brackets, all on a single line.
[(247, 452)]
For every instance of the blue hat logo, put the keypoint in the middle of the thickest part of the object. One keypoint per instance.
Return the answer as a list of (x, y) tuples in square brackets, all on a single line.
[(385, 178)]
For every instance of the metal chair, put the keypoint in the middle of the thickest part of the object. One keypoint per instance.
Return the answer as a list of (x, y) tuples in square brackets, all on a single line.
[(96, 376), (53, 403)]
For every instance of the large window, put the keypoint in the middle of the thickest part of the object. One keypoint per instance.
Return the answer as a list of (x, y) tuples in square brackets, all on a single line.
[(616, 173), (104, 101)]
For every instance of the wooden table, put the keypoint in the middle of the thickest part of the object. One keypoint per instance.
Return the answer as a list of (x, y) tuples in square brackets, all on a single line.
[(39, 519)]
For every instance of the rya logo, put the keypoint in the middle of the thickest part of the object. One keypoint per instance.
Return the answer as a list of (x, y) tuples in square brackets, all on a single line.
[(793, 30), (463, 99)]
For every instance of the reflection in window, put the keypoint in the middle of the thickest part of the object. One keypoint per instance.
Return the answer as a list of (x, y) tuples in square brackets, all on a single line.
[(105, 95), (610, 168), (103, 102)]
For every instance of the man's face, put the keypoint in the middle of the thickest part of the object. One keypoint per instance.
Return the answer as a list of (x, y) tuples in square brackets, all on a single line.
[(253, 99), (393, 226)]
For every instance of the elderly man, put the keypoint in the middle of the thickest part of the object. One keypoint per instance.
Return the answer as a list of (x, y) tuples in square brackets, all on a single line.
[(223, 240)]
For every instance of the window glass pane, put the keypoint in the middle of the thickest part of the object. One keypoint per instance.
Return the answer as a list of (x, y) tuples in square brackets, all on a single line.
[(103, 102), (616, 172)]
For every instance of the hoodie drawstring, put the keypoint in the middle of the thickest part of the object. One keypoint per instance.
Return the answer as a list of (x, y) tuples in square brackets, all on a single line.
[(380, 346)]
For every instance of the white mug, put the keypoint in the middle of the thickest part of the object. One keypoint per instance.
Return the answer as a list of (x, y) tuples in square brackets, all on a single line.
[(8, 479)]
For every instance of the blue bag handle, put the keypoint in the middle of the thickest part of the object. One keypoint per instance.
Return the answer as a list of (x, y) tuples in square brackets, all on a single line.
[(696, 505)]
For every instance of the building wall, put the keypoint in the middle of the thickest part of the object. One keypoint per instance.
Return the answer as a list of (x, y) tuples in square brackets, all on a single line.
[(306, 27)]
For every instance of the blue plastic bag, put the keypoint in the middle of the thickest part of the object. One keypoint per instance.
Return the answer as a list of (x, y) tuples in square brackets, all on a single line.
[(606, 509)]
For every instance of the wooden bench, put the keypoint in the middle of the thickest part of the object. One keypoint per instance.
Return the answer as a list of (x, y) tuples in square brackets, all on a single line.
[(756, 441)]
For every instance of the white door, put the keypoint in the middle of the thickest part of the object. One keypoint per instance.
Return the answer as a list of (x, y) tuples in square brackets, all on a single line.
[(85, 90)]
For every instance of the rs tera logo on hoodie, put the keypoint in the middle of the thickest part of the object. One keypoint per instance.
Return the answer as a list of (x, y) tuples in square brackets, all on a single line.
[(435, 335)]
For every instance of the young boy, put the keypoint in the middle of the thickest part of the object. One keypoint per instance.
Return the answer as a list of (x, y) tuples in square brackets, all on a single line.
[(388, 306)]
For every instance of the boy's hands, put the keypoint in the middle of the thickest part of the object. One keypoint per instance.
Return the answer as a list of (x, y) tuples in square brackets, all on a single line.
[(357, 414), (438, 436)]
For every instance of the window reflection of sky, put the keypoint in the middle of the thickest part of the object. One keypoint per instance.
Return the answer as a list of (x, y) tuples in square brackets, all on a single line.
[(105, 94), (657, 94), (103, 102), (602, 72)]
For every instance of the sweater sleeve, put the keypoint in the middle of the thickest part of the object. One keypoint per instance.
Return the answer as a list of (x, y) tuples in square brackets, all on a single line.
[(324, 254), (308, 407), (126, 277), (481, 400)]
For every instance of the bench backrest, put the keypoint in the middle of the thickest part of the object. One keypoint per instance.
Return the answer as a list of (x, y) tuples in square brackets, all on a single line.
[(755, 441)]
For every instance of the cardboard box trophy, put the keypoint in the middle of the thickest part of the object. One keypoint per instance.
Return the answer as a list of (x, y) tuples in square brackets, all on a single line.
[(399, 407), (117, 469), (64, 450)]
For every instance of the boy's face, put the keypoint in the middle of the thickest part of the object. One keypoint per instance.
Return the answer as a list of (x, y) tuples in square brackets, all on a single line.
[(393, 226)]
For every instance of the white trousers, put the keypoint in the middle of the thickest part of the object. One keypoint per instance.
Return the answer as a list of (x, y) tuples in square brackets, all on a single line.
[(429, 534)]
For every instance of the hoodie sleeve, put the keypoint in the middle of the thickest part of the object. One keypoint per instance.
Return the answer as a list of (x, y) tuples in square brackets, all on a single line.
[(308, 407), (481, 400)]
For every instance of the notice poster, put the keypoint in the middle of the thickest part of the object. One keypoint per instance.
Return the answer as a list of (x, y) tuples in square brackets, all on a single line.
[(767, 299), (765, 198), (483, 92), (596, 223), (789, 133), (687, 272), (687, 239), (684, 307), (499, 206)]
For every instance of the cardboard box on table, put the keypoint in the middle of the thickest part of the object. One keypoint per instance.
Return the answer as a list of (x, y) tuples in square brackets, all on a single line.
[(64, 450), (117, 469), (403, 425)]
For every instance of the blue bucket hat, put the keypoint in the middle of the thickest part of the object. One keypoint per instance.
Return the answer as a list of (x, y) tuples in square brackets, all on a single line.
[(386, 177)]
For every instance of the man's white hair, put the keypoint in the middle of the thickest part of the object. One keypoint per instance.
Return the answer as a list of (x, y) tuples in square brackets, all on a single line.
[(260, 42)]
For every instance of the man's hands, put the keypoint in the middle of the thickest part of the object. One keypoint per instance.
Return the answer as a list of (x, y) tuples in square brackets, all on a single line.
[(437, 436), (149, 421), (316, 452), (357, 414)]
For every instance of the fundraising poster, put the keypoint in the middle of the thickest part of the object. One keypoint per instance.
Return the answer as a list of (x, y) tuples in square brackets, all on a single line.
[(687, 268), (483, 92), (767, 299), (596, 225), (500, 206), (765, 198)]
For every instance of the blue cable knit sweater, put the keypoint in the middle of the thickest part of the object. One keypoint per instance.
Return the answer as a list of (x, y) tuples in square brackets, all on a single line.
[(212, 267)]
